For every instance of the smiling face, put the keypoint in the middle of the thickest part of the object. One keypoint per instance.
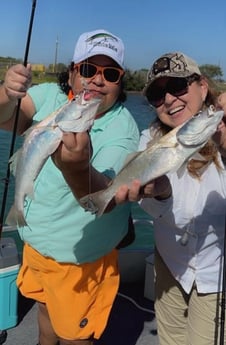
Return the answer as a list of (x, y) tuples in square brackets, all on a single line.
[(176, 109), (98, 85)]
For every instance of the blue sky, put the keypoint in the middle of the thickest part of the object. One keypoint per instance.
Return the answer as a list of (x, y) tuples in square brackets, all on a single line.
[(148, 28)]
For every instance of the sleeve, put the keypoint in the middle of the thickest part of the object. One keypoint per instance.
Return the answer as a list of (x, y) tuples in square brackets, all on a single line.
[(157, 208), (120, 139), (152, 206), (144, 139), (38, 94)]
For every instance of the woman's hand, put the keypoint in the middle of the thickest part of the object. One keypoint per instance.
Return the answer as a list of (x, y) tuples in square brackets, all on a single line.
[(220, 136), (73, 159), (160, 188), (17, 81), (74, 152)]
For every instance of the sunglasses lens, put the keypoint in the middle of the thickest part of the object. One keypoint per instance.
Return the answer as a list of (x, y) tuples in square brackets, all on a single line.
[(175, 86), (87, 70), (156, 96), (111, 74)]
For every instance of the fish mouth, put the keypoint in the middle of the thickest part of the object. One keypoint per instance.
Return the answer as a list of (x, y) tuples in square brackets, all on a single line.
[(86, 96)]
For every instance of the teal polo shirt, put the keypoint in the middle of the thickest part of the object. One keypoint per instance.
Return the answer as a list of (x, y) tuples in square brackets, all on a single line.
[(58, 226)]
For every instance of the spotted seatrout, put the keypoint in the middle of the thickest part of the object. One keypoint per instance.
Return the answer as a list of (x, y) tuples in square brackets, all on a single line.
[(168, 154), (40, 142)]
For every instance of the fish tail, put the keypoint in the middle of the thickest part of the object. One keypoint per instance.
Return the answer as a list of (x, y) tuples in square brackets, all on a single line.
[(95, 203), (15, 217)]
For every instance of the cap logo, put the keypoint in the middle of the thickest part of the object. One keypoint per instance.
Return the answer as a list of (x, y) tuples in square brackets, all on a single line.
[(174, 63), (102, 41)]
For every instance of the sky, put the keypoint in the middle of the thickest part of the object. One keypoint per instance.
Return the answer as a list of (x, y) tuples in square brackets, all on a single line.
[(148, 28)]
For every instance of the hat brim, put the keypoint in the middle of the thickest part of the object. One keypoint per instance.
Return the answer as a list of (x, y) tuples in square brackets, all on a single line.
[(91, 54), (182, 74)]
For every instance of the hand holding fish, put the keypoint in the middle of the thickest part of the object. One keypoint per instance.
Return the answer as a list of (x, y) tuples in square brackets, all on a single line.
[(160, 188), (220, 136), (169, 154), (74, 152), (45, 139), (17, 81), (72, 157)]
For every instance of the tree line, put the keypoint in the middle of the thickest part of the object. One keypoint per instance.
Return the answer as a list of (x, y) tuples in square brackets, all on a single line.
[(134, 80)]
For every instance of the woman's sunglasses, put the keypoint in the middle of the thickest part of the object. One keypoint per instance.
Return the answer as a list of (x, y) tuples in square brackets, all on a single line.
[(90, 70), (175, 86)]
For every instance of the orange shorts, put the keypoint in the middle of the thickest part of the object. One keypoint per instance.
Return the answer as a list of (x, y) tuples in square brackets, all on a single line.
[(79, 298)]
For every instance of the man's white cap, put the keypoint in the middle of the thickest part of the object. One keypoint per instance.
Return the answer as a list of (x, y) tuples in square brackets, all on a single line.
[(99, 42)]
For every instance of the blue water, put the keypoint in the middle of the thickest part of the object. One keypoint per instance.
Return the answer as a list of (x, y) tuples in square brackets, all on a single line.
[(140, 109), (143, 115)]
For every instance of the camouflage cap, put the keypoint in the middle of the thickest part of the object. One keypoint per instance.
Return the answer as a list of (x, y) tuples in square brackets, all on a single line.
[(174, 64)]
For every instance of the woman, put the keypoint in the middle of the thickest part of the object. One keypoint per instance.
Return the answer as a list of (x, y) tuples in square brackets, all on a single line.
[(189, 213), (70, 264)]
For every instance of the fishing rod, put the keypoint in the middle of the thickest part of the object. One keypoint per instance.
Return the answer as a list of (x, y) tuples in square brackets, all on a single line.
[(4, 198)]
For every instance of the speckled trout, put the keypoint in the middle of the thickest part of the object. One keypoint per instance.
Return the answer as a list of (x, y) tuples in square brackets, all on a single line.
[(168, 154), (41, 141)]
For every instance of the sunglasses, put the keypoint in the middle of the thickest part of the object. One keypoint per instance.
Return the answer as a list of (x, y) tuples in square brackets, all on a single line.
[(90, 70), (175, 86)]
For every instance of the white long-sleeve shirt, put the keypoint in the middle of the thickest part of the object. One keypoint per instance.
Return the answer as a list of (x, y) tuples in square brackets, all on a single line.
[(195, 214)]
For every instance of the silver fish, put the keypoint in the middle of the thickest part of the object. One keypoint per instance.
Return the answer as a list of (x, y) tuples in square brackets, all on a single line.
[(170, 153), (41, 140)]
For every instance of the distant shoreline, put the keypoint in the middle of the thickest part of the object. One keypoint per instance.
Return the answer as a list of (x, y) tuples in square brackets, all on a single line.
[(138, 92)]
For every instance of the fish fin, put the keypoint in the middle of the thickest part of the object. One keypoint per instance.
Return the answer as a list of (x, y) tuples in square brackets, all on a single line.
[(29, 190), (168, 143), (28, 131), (15, 217), (30, 193), (13, 161), (152, 142), (198, 157), (130, 157), (95, 203), (181, 170)]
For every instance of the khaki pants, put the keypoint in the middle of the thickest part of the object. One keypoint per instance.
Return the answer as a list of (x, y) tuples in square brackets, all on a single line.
[(184, 319)]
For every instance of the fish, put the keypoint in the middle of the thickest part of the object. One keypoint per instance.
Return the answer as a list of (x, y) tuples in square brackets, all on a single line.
[(41, 140), (170, 153)]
